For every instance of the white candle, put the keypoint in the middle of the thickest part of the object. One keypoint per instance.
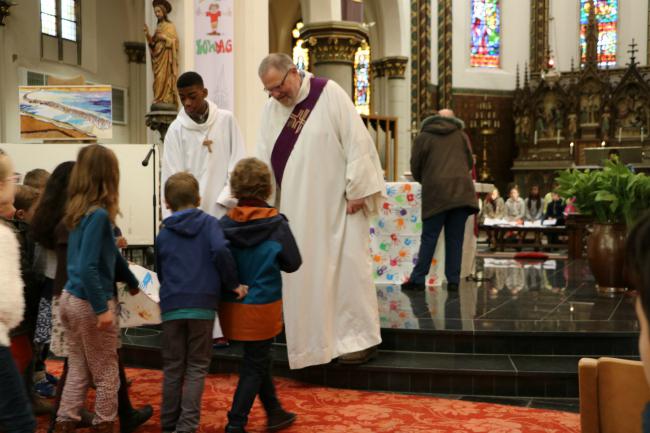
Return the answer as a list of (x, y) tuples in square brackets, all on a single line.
[(535, 138), (571, 147), (620, 132), (557, 141), (602, 143)]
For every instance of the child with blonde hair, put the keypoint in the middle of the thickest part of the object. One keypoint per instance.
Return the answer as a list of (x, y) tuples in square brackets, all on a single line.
[(87, 304), (263, 247)]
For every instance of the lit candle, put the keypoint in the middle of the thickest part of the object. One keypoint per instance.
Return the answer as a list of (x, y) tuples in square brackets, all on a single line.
[(571, 147), (620, 133), (602, 143), (535, 138)]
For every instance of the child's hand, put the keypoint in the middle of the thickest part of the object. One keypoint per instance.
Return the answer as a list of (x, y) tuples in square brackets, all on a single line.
[(241, 291), (105, 320)]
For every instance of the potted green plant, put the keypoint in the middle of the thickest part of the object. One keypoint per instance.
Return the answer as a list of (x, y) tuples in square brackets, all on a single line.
[(615, 197)]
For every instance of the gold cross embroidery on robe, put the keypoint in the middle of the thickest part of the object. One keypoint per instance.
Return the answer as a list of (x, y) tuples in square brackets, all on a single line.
[(297, 121), (208, 143)]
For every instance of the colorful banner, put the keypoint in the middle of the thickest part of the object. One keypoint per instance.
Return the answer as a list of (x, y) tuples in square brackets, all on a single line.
[(213, 49), (395, 236)]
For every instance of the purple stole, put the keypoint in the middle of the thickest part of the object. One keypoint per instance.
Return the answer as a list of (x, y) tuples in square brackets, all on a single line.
[(289, 134)]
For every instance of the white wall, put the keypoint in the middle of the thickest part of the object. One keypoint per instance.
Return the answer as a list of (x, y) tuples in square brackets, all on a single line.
[(251, 46), (564, 32), (104, 30), (515, 37), (136, 185)]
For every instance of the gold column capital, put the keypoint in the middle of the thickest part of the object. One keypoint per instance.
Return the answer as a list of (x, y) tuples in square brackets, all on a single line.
[(333, 41)]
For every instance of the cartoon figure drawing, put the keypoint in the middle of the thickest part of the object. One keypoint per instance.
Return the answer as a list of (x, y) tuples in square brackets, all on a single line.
[(214, 13)]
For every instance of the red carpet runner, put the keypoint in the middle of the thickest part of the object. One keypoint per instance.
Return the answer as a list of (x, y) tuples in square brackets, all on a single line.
[(328, 410)]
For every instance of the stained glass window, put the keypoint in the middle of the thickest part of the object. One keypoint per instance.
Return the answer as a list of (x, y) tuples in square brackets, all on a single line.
[(300, 53), (48, 17), (486, 34), (362, 79), (607, 18), (68, 20), (59, 16)]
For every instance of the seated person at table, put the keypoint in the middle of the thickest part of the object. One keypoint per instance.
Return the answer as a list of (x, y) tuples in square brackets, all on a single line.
[(515, 207), (493, 206), (548, 197), (555, 210), (534, 205)]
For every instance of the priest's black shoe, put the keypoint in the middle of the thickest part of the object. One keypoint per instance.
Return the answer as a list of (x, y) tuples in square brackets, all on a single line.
[(280, 419), (233, 429), (413, 287), (135, 418)]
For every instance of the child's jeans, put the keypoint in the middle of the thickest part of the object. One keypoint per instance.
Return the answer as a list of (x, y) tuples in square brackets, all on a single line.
[(15, 409), (187, 352), (92, 356), (254, 379)]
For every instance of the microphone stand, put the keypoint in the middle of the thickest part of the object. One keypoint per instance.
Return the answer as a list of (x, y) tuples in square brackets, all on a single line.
[(145, 163)]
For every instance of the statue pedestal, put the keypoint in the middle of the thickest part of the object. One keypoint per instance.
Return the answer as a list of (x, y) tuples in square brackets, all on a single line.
[(160, 117)]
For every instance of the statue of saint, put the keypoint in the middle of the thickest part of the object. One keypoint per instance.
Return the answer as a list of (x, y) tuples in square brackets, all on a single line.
[(525, 128), (163, 46), (573, 125), (604, 123)]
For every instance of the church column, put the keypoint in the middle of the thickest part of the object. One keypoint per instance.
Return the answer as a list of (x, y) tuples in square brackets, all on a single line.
[(539, 34), (397, 103), (423, 93), (3, 77), (332, 46), (251, 46), (136, 52)]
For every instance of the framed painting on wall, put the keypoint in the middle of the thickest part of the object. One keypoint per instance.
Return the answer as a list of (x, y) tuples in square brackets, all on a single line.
[(65, 112)]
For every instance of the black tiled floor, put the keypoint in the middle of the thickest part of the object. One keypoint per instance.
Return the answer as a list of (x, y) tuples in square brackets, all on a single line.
[(554, 296), (514, 338)]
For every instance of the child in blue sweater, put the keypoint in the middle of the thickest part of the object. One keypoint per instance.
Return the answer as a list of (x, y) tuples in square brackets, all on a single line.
[(87, 305), (263, 246), (194, 265)]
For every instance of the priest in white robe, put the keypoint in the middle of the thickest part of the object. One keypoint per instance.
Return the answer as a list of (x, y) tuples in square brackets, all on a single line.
[(205, 141), (331, 183)]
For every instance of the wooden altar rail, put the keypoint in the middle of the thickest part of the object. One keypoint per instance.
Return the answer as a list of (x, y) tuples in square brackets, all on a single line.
[(383, 130)]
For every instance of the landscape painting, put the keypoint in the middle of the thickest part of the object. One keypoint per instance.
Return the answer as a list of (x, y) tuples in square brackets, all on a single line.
[(65, 112)]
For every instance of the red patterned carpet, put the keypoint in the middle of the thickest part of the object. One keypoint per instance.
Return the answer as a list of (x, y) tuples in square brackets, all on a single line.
[(328, 410)]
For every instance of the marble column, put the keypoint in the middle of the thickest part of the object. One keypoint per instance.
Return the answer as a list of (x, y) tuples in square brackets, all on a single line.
[(136, 53), (390, 80), (332, 46)]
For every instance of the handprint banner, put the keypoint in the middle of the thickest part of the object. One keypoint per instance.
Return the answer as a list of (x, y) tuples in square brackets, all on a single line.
[(395, 236)]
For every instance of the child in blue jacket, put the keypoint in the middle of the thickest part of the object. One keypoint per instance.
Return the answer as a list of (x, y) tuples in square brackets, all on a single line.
[(194, 265), (263, 246)]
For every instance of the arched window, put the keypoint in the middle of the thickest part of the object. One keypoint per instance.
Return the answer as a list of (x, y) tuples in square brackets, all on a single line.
[(362, 79), (607, 19), (485, 47), (300, 54)]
